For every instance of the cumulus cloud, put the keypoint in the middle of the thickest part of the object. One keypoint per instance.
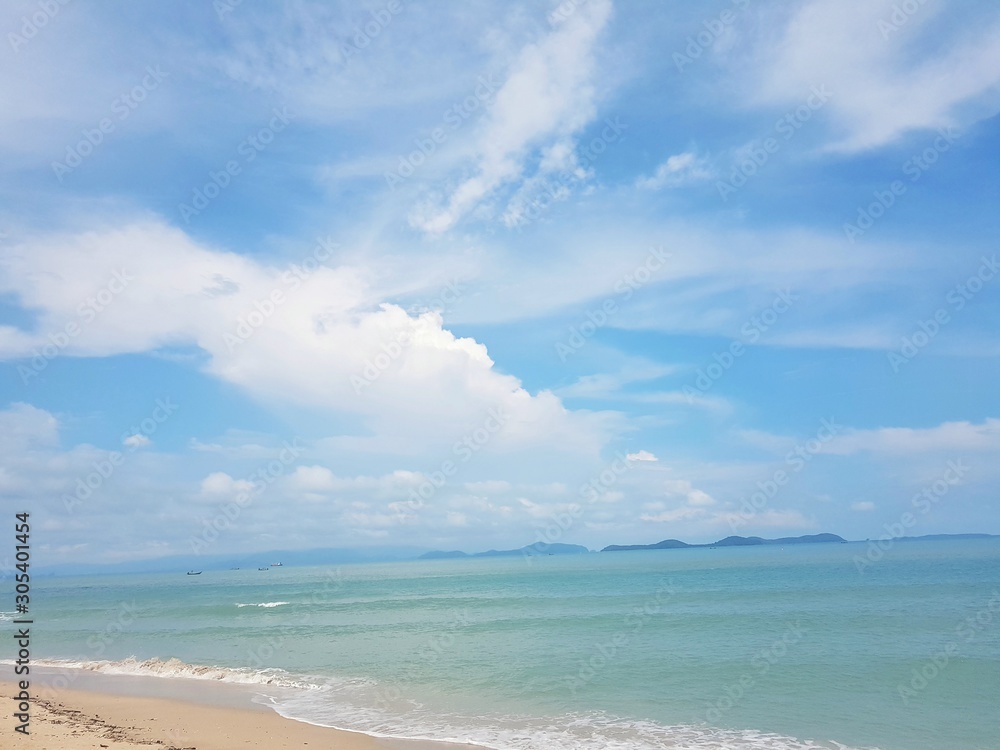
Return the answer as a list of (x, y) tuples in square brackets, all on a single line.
[(23, 425), (695, 507), (219, 483), (312, 478), (683, 488), (324, 340)]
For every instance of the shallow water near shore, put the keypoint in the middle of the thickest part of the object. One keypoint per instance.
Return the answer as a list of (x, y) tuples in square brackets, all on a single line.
[(703, 648)]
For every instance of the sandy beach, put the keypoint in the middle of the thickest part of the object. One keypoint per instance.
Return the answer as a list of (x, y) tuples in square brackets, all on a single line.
[(78, 719)]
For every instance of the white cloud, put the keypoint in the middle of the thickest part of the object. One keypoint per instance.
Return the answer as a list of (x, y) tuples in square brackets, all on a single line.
[(882, 84), (312, 478), (137, 441), (677, 171), (219, 483), (609, 385), (547, 97), (767, 519), (677, 514), (692, 495), (863, 506), (699, 498), (641, 456), (681, 398), (949, 437), (23, 425), (320, 61), (716, 279), (328, 343), (489, 487), (766, 441)]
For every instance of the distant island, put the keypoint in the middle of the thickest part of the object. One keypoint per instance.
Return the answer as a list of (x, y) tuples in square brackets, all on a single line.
[(729, 541), (940, 537), (538, 548), (251, 561)]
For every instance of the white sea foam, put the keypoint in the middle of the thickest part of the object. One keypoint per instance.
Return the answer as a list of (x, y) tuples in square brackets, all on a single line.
[(264, 604), (363, 706), (569, 732), (175, 668)]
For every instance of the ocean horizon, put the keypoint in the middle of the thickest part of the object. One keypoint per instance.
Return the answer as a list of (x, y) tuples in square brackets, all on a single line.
[(753, 647)]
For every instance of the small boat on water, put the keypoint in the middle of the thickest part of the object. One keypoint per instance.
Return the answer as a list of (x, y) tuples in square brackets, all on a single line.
[(275, 565), (263, 568), (194, 572)]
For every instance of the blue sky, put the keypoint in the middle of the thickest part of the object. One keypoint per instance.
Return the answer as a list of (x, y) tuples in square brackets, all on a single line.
[(347, 274)]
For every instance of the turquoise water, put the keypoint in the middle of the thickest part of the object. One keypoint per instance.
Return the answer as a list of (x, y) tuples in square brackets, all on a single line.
[(701, 648)]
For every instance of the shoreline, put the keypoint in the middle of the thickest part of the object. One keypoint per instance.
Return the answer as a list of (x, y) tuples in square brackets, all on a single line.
[(94, 714)]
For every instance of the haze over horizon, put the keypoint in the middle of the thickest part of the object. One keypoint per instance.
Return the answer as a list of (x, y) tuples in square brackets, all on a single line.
[(472, 276)]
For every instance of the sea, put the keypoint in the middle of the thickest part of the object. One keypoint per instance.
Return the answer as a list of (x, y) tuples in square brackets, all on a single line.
[(834, 646)]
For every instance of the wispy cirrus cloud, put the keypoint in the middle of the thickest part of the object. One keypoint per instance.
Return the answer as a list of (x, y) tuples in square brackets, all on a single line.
[(547, 97), (890, 71), (678, 170), (949, 437)]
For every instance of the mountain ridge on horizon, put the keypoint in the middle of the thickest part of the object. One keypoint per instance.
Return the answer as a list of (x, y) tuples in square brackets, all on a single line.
[(730, 541), (341, 555)]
